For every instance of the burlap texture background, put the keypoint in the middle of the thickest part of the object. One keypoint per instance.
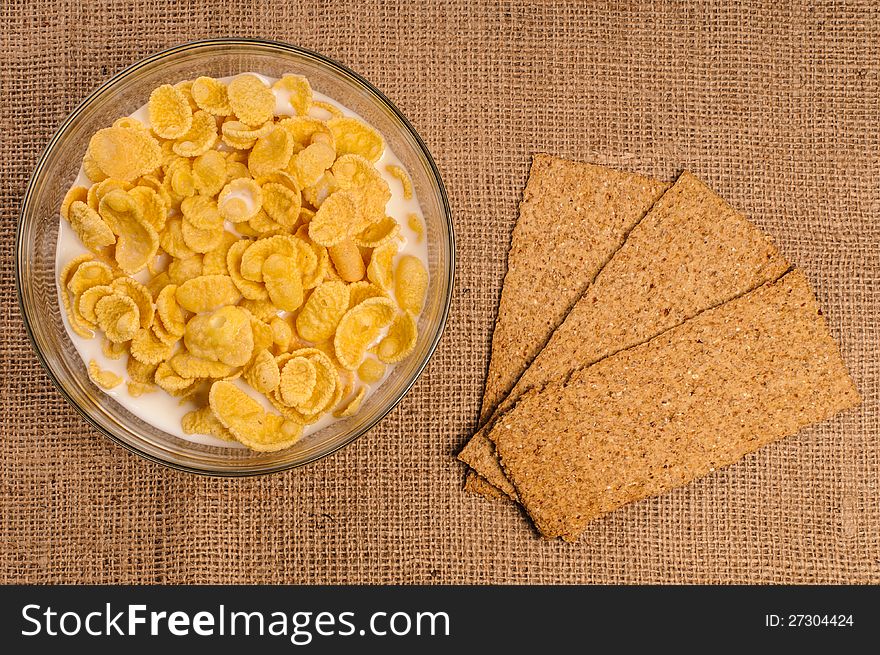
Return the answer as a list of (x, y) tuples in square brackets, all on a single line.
[(776, 106)]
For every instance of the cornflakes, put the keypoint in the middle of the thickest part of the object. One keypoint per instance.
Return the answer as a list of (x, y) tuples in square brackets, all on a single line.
[(400, 341), (123, 154), (170, 313), (379, 271), (299, 90), (354, 137), (187, 365), (249, 289), (137, 241), (104, 379), (263, 374), (170, 113), (309, 260), (224, 335), (200, 138), (251, 100), (91, 229), (353, 405), (240, 200), (209, 171), (401, 175), (271, 153), (359, 328), (371, 371), (309, 164), (246, 419), (207, 293), (347, 260), (139, 294), (322, 312), (148, 349), (378, 234), (283, 282), (335, 220), (89, 274), (203, 421), (210, 95), (411, 284), (118, 317)]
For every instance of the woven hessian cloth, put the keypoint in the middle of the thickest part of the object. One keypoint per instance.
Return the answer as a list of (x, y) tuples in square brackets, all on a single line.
[(777, 108)]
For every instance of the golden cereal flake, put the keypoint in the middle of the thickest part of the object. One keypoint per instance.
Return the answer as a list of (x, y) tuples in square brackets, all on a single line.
[(104, 379), (170, 113), (246, 419)]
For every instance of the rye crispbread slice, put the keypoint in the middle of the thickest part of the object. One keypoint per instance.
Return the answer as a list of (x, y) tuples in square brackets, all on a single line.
[(573, 217), (659, 415), (692, 251)]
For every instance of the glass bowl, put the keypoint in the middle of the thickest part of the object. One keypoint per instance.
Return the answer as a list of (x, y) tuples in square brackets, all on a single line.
[(57, 168)]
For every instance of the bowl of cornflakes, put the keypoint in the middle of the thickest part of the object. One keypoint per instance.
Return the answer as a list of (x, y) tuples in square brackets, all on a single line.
[(235, 257)]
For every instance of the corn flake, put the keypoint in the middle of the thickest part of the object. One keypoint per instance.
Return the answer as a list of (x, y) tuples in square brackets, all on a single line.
[(123, 154), (203, 421), (104, 379), (371, 371), (139, 294), (137, 241), (400, 341), (74, 194), (170, 113), (89, 274), (378, 234), (240, 200), (379, 271), (335, 220), (170, 312), (248, 288), (118, 317), (167, 379), (353, 405), (224, 335), (92, 230), (246, 419), (148, 349), (299, 90), (411, 284), (152, 205), (359, 328), (200, 138), (209, 173), (309, 164), (251, 100), (207, 293), (210, 95), (322, 312), (85, 303), (187, 365), (354, 137), (283, 281), (263, 374), (182, 269), (112, 350)]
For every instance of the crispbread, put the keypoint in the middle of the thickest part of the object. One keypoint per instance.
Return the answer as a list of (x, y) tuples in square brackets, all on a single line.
[(573, 217), (692, 251), (479, 485), (657, 416)]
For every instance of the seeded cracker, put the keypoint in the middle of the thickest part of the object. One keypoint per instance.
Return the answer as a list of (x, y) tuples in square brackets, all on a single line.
[(573, 217), (691, 252), (657, 416)]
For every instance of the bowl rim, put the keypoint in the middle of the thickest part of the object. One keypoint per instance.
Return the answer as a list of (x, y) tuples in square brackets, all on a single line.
[(339, 69)]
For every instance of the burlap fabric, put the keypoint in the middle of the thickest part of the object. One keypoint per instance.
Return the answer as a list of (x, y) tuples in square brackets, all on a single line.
[(776, 107)]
